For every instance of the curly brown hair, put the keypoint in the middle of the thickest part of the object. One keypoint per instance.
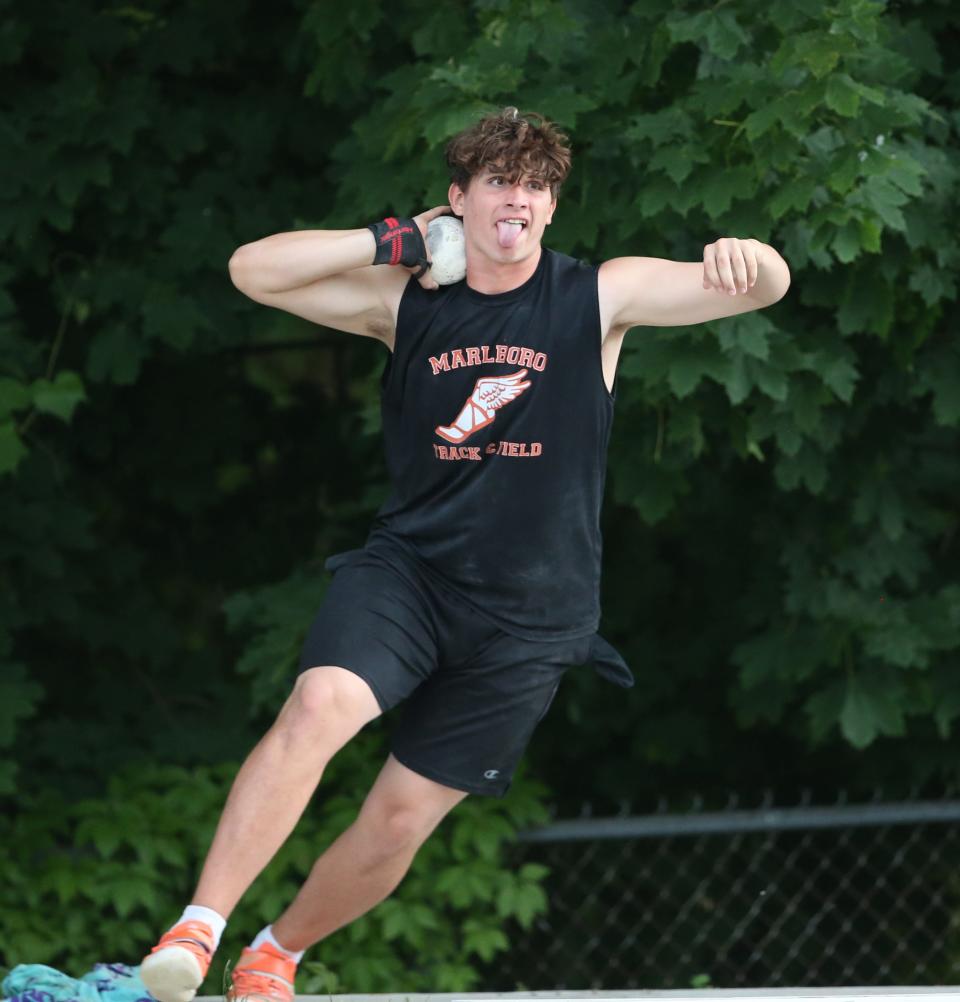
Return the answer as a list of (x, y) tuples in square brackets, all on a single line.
[(514, 141)]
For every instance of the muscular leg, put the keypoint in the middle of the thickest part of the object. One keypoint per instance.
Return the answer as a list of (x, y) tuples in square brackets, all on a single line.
[(327, 707), (370, 858)]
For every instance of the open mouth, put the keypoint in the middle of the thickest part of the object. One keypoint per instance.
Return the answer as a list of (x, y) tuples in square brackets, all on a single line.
[(509, 230)]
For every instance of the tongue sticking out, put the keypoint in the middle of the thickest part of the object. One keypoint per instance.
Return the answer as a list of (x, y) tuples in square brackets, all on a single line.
[(508, 233)]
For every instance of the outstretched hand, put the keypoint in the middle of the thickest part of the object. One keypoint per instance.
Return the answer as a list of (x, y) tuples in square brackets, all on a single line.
[(423, 221)]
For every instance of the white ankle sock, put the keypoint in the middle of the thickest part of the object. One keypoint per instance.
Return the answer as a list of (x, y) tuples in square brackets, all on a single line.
[(265, 935), (199, 913)]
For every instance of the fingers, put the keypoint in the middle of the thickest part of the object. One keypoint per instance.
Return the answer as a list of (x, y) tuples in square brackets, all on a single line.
[(423, 220), (426, 280), (421, 272), (440, 210), (735, 276), (711, 277), (726, 266), (753, 266), (729, 263)]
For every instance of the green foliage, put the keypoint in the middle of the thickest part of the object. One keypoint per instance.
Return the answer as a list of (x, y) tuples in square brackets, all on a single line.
[(176, 461), (91, 880), (825, 152), (18, 697), (273, 619)]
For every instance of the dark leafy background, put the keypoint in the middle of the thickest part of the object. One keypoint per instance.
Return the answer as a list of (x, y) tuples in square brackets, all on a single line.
[(176, 461)]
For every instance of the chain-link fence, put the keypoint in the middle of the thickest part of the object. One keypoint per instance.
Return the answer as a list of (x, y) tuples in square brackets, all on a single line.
[(798, 897)]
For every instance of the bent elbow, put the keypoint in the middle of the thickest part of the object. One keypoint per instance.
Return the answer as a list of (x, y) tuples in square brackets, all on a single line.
[(785, 278), (782, 285), (786, 287), (238, 268)]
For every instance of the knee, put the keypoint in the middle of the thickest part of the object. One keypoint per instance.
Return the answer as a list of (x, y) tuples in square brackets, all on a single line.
[(394, 828), (314, 693), (403, 830), (324, 701)]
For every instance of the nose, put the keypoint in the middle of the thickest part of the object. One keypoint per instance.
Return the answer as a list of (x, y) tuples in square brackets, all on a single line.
[(517, 195)]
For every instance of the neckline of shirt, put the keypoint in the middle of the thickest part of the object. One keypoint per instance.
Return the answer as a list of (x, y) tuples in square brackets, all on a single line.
[(498, 298)]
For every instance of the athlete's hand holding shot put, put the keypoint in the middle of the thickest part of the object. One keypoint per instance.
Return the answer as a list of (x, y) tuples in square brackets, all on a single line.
[(477, 587)]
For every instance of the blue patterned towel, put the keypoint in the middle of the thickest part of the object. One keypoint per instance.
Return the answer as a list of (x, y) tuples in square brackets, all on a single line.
[(105, 983)]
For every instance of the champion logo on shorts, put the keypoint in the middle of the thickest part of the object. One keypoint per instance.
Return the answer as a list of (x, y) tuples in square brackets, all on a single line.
[(491, 774)]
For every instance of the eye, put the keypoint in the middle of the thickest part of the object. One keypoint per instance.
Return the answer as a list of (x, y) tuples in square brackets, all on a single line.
[(495, 177)]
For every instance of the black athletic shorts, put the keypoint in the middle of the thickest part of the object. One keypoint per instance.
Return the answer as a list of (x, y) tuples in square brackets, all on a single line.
[(472, 693)]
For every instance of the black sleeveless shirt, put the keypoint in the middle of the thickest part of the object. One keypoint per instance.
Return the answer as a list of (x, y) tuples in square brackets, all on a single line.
[(496, 421)]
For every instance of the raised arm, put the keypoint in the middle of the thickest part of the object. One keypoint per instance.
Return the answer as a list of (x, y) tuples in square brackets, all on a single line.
[(326, 276), (656, 292)]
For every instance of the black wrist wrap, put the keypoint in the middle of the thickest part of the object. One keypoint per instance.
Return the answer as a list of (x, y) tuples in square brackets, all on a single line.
[(399, 241)]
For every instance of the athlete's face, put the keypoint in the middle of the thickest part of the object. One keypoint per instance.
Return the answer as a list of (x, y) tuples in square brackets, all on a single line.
[(492, 198)]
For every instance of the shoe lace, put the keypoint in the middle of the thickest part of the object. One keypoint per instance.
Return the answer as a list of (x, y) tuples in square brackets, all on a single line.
[(195, 943), (248, 983), (198, 949)]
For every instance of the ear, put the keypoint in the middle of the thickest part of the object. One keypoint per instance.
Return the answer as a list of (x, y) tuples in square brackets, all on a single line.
[(553, 209), (455, 197)]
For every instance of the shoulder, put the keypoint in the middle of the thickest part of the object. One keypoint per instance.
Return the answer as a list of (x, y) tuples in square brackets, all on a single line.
[(566, 261), (617, 271), (565, 267), (620, 281), (410, 300)]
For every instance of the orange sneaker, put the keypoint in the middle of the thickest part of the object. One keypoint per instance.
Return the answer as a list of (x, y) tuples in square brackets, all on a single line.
[(175, 968), (262, 975)]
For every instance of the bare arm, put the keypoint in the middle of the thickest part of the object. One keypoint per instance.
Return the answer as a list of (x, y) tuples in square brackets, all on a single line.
[(326, 276), (656, 292), (286, 261)]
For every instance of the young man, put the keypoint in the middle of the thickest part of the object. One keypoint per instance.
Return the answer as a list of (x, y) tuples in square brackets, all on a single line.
[(478, 586)]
